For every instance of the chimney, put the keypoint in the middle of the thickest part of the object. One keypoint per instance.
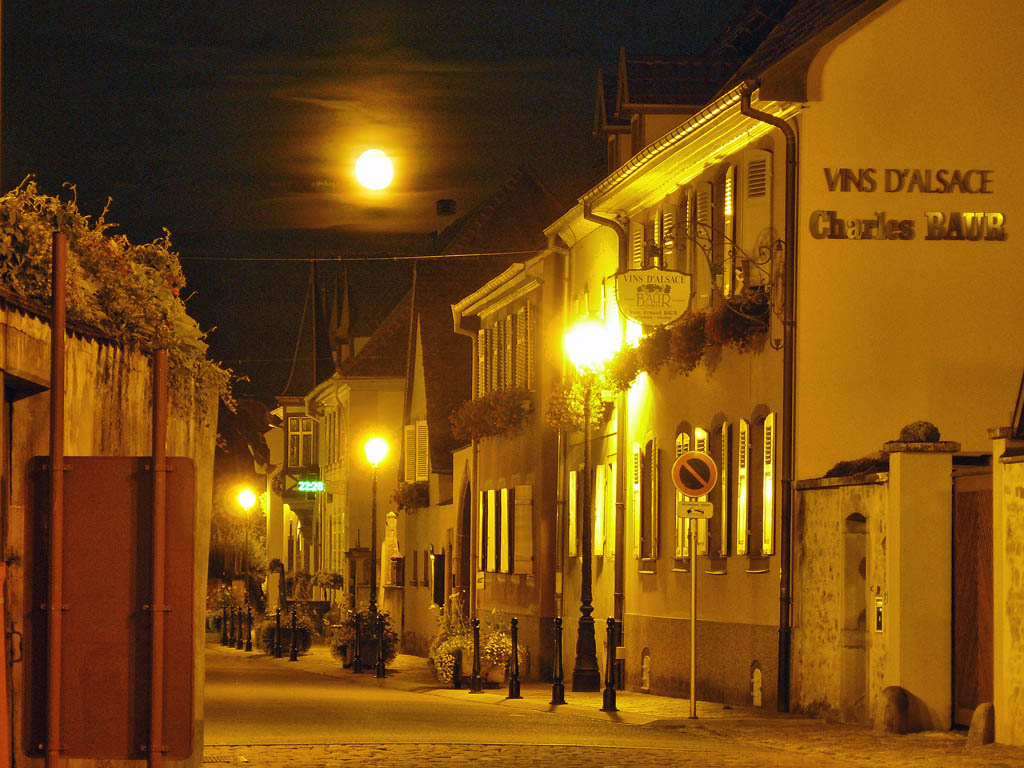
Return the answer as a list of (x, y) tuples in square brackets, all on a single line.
[(445, 214)]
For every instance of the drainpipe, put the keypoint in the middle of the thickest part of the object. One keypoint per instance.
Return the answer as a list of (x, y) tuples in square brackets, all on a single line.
[(788, 392), (561, 448), (620, 431)]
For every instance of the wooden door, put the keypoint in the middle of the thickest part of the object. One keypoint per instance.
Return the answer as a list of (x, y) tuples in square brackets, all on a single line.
[(972, 594)]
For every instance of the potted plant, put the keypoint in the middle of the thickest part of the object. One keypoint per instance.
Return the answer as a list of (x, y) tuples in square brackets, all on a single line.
[(342, 641), (411, 496)]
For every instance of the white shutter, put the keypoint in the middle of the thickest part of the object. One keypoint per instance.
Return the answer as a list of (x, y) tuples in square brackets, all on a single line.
[(668, 239), (508, 530), (531, 346), (729, 240), (768, 512), (637, 501), (636, 246), (422, 452), (572, 506), (410, 453), (742, 487), (703, 200), (523, 525), (522, 350), (599, 500), (611, 508), (755, 212), (510, 360), (700, 444), (723, 491), (481, 363), (655, 495), (686, 252)]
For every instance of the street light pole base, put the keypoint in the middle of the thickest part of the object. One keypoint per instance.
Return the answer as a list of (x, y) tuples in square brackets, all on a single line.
[(586, 680)]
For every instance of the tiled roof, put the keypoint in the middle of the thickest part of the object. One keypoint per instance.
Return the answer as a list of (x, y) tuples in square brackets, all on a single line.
[(604, 112), (384, 354), (670, 80), (748, 29)]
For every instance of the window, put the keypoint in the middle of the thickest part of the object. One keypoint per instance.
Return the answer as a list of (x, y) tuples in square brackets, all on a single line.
[(417, 462), (761, 472), (700, 445), (508, 510), (506, 352), (719, 496), (645, 499), (300, 441), (682, 524), (572, 505), (426, 568), (438, 573), (604, 509), (768, 509)]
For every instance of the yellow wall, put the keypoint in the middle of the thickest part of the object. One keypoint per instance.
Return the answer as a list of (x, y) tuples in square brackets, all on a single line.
[(893, 331)]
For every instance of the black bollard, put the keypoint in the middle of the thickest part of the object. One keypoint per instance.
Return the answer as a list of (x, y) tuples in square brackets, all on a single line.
[(513, 678), (224, 626), (380, 669), (557, 687), (357, 662), (294, 655), (277, 635), (475, 683), (457, 668), (238, 629), (248, 628), (608, 704)]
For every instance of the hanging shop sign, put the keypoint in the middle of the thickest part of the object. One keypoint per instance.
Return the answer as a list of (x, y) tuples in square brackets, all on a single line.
[(653, 296), (929, 225)]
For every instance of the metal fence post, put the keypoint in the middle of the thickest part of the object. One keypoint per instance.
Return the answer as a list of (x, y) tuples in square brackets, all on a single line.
[(277, 634), (224, 626), (557, 688), (294, 655), (357, 661), (381, 670), (608, 703)]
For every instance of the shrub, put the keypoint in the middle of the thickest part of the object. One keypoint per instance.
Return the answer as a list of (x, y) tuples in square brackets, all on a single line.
[(688, 340), (304, 631), (500, 412), (343, 638), (455, 631)]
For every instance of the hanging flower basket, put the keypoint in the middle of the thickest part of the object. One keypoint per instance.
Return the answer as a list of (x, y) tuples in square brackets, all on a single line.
[(411, 496), (740, 321), (564, 407), (688, 342), (501, 412)]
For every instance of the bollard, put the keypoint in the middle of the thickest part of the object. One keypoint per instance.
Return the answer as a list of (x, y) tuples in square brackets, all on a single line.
[(513, 678), (248, 628), (608, 704), (277, 635), (557, 688), (294, 655), (224, 626), (380, 669), (457, 668), (357, 662), (231, 627), (476, 684), (238, 629)]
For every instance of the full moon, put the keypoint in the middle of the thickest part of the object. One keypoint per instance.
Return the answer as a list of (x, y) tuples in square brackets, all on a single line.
[(374, 169)]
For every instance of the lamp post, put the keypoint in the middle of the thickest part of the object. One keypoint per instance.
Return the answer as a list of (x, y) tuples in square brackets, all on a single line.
[(589, 347), (376, 450), (246, 500)]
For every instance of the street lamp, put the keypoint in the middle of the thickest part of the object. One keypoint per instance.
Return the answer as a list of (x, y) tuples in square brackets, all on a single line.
[(376, 450), (247, 500), (589, 346)]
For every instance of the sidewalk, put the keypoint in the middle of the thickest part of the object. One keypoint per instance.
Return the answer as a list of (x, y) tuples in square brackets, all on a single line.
[(749, 728)]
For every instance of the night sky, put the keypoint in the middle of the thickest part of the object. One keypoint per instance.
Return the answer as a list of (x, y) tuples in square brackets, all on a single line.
[(222, 120)]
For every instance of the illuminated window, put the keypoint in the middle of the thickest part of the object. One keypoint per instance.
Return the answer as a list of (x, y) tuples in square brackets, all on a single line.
[(300, 441), (645, 499)]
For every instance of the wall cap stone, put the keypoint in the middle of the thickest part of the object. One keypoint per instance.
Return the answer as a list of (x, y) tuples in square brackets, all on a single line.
[(996, 433), (864, 478), (942, 446)]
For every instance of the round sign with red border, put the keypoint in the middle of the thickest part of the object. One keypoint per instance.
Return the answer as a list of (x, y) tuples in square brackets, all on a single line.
[(694, 474)]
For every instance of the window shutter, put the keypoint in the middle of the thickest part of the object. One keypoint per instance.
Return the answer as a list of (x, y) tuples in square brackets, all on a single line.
[(668, 239), (683, 527), (522, 553), (508, 530), (521, 347), (637, 502), (599, 500), (422, 452), (612, 510), (493, 534), (636, 248), (755, 214), (702, 240), (767, 532), (482, 532), (700, 444), (481, 362), (742, 487), (410, 453), (723, 491), (729, 245), (510, 360), (655, 496), (573, 498), (688, 248), (531, 346)]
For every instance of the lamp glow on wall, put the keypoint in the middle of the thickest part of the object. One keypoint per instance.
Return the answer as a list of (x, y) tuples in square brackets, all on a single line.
[(589, 345), (376, 450)]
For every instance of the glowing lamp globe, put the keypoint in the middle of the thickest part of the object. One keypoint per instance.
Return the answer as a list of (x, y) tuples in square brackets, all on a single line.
[(374, 169), (376, 449), (246, 499), (589, 345)]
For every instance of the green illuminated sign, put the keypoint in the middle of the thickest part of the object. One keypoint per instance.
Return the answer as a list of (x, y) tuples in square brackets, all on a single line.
[(311, 486)]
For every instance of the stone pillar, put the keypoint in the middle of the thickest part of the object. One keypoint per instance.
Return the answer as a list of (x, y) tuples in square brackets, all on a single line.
[(1007, 593), (275, 524), (919, 562)]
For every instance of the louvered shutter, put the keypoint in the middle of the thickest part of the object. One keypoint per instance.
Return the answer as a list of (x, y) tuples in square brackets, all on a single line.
[(682, 523), (652, 447), (688, 247), (522, 350), (755, 211), (611, 516), (703, 199), (637, 500), (669, 258), (523, 538), (700, 444), (410, 453), (531, 346), (729, 254), (481, 362), (599, 500), (422, 452), (742, 487), (723, 490), (636, 246), (493, 534), (508, 530), (572, 507), (767, 528), (510, 340)]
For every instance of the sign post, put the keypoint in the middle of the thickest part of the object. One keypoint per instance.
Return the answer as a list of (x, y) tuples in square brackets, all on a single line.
[(694, 474)]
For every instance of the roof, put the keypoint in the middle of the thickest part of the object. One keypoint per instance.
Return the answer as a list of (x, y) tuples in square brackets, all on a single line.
[(669, 81), (384, 354), (605, 119), (748, 29)]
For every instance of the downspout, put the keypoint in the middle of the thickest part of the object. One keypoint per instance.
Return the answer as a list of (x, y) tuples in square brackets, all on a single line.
[(562, 448), (788, 391), (619, 598)]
